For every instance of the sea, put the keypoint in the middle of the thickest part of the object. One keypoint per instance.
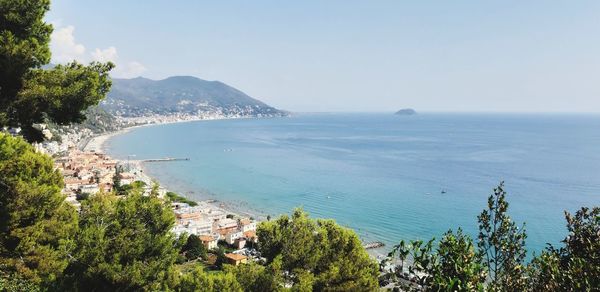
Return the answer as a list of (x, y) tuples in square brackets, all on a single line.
[(388, 177)]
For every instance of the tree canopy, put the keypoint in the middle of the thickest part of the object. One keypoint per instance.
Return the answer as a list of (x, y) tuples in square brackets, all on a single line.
[(317, 253), (194, 248), (576, 265), (498, 263), (30, 94), (36, 224), (123, 244)]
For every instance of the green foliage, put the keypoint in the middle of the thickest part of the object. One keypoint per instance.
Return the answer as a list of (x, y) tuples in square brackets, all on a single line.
[(419, 271), (199, 280), (117, 186), (126, 244), (320, 250), (24, 38), (174, 197), (194, 248), (458, 265), (141, 96), (220, 253), (502, 244), (455, 265), (99, 120), (60, 95), (254, 277), (452, 266), (36, 224), (122, 244), (576, 265), (11, 281), (138, 184), (31, 95)]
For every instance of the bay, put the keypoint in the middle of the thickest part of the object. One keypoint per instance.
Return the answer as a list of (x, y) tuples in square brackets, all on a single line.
[(388, 177)]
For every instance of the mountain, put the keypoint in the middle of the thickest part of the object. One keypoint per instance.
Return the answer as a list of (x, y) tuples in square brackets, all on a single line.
[(406, 112), (181, 94)]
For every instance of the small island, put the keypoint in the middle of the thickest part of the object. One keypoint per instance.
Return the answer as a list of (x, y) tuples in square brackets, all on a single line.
[(406, 112)]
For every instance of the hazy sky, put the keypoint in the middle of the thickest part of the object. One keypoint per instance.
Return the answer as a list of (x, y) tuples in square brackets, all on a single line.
[(353, 55)]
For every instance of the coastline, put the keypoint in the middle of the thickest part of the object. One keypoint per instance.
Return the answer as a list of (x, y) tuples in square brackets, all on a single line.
[(98, 144)]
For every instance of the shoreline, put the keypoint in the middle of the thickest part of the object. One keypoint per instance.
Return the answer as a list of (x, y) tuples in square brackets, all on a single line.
[(98, 144)]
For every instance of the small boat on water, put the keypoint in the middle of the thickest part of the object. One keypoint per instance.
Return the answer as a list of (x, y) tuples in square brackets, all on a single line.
[(443, 191)]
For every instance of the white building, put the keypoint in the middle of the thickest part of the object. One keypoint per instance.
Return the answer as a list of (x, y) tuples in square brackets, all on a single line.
[(232, 236), (226, 223), (247, 225), (215, 215), (90, 188), (203, 227)]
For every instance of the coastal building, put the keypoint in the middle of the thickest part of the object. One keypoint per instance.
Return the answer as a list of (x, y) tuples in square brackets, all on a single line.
[(210, 242), (85, 172), (232, 236), (216, 215), (178, 230), (225, 225), (239, 243), (186, 213), (251, 236), (127, 178), (92, 172), (89, 188), (247, 225), (202, 227), (235, 259)]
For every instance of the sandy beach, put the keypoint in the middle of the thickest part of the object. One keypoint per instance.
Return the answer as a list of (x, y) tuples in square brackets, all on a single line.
[(96, 143)]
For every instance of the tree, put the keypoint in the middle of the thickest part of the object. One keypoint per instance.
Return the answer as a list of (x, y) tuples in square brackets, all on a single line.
[(199, 280), (117, 179), (320, 251), (254, 277), (194, 248), (123, 244), (15, 282), (576, 265), (419, 272), (220, 253), (458, 265), (502, 244), (453, 266), (36, 224), (29, 94)]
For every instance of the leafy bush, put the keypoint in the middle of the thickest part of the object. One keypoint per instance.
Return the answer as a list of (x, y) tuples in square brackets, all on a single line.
[(174, 197)]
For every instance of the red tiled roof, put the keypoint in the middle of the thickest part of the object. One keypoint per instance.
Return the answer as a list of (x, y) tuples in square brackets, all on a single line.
[(235, 256), (206, 238)]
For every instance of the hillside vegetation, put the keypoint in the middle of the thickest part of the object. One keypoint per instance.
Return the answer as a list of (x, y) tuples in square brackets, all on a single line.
[(181, 94)]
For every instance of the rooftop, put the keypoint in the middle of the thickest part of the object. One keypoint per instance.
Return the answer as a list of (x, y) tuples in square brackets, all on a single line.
[(235, 257)]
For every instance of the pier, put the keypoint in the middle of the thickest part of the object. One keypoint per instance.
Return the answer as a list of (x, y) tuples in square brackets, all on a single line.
[(166, 159)]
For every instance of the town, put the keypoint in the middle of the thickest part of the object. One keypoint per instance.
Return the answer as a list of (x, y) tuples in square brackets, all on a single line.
[(88, 172)]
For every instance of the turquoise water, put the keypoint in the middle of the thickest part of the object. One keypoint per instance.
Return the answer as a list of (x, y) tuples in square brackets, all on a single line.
[(383, 174)]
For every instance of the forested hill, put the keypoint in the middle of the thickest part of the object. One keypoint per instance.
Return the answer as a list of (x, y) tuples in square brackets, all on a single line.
[(181, 94)]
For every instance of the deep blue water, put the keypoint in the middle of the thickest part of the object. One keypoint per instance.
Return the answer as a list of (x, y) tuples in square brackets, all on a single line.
[(383, 174)]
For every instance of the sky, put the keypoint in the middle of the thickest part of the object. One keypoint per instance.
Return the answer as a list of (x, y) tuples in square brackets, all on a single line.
[(345, 55)]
